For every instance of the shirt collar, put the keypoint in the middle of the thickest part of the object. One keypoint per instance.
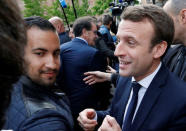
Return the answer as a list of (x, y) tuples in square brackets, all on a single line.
[(82, 39), (145, 82)]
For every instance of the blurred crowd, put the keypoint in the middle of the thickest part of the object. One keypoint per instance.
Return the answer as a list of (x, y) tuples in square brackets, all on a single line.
[(100, 74)]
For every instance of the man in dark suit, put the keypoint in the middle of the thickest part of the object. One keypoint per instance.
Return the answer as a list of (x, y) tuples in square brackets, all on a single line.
[(148, 96), (175, 59), (78, 57)]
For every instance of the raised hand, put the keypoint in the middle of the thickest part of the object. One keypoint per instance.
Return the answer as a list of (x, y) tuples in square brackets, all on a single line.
[(109, 124), (93, 77), (86, 119)]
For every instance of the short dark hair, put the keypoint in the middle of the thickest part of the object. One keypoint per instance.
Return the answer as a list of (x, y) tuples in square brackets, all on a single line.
[(82, 23), (162, 23), (106, 19), (12, 42), (41, 23)]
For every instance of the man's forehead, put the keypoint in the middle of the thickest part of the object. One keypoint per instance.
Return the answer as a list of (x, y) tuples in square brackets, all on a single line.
[(129, 23), (38, 38), (129, 28), (34, 31)]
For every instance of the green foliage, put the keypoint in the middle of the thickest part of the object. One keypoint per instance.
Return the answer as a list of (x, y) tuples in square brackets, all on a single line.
[(34, 7), (39, 8), (100, 6)]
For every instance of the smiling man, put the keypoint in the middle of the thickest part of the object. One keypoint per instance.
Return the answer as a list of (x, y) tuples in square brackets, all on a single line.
[(37, 104), (148, 96)]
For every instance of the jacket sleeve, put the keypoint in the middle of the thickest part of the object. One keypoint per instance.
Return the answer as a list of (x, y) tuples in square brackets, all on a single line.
[(114, 78), (46, 120), (99, 62), (101, 115)]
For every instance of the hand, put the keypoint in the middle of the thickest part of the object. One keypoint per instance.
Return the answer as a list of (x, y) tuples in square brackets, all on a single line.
[(96, 77), (86, 119), (109, 124), (110, 70)]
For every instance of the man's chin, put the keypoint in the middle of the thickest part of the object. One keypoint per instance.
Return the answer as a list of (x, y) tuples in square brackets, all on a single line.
[(46, 83)]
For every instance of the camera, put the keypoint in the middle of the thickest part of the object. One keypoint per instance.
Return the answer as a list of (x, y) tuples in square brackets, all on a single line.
[(118, 7)]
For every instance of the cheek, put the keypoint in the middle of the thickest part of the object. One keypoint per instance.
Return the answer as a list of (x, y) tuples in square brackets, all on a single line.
[(140, 57), (134, 54), (58, 63), (34, 65)]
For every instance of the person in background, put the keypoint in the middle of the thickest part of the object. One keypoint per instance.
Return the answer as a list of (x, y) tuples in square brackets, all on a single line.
[(37, 103), (59, 25), (175, 59), (148, 96), (12, 42), (71, 33), (104, 30), (77, 57), (102, 46)]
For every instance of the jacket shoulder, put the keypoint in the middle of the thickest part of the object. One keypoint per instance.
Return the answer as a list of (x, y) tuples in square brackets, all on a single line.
[(46, 120), (16, 109)]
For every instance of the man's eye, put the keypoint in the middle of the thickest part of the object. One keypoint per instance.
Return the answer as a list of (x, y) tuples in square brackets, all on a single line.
[(57, 53), (39, 53), (132, 43)]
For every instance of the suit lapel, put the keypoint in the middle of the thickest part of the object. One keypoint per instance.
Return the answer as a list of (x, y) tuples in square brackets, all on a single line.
[(125, 87), (150, 98)]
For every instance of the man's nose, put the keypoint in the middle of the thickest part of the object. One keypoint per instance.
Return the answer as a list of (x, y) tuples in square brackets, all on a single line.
[(120, 49), (52, 62)]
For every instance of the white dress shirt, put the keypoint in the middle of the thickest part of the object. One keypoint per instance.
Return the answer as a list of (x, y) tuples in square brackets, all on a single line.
[(145, 84)]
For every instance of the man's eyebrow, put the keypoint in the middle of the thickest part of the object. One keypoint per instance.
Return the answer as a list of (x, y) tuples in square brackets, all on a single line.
[(41, 49), (57, 49)]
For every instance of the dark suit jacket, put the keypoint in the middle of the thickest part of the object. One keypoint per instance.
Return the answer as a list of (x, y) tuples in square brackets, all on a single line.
[(63, 37), (38, 108), (77, 57), (173, 59), (163, 106)]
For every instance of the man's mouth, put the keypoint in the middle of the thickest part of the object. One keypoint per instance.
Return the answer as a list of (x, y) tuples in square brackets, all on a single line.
[(124, 64), (50, 74)]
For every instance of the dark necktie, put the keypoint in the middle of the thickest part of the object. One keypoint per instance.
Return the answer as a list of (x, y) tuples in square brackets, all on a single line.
[(131, 108)]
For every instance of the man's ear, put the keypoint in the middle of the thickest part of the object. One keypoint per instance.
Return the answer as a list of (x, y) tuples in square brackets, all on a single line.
[(159, 49), (183, 16), (84, 33)]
